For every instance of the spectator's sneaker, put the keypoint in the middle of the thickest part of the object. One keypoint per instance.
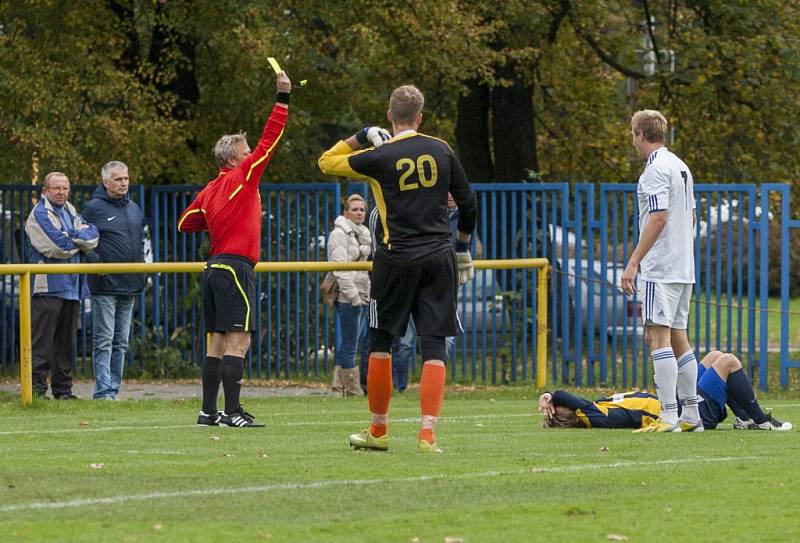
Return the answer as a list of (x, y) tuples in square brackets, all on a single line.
[(773, 424), (427, 447), (365, 440), (691, 426), (67, 396), (660, 427), (204, 419), (239, 419), (739, 424)]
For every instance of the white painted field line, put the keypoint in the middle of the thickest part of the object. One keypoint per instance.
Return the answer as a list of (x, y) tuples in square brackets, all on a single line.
[(104, 429), (156, 451), (411, 419), (269, 424), (113, 500)]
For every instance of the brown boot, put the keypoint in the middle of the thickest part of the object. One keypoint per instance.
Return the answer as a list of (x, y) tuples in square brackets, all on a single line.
[(337, 387), (351, 381)]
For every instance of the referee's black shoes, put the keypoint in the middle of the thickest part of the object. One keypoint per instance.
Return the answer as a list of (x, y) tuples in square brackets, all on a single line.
[(239, 419), (204, 419)]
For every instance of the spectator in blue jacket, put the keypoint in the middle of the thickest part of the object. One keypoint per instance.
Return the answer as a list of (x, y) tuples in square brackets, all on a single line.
[(56, 235), (120, 222)]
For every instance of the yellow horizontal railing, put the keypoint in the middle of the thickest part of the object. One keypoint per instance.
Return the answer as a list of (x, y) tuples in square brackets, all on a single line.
[(25, 271)]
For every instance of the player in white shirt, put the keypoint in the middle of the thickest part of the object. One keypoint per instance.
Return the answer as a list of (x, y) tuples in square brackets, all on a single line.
[(665, 257)]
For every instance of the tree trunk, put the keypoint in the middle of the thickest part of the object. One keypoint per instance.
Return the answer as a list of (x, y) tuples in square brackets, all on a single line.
[(472, 133), (514, 146), (513, 132), (173, 55), (130, 59)]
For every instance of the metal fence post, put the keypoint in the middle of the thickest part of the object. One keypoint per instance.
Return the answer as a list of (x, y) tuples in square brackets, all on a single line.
[(25, 353), (763, 291), (541, 320)]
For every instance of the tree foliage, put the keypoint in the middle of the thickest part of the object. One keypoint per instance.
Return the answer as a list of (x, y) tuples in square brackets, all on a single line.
[(536, 89)]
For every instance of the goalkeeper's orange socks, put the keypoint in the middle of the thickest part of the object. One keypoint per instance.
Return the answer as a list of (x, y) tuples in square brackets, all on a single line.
[(431, 397), (379, 392)]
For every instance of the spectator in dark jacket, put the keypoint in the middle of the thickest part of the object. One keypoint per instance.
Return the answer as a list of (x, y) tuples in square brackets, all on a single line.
[(120, 222), (56, 235)]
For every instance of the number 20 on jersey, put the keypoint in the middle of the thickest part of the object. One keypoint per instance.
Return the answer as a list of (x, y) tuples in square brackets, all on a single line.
[(422, 172)]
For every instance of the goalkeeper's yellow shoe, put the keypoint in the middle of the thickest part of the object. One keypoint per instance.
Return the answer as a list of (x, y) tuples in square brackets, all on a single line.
[(365, 440), (660, 427), (691, 426), (428, 447)]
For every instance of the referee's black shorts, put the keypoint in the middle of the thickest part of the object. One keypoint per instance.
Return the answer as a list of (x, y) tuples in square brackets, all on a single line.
[(426, 289), (229, 294)]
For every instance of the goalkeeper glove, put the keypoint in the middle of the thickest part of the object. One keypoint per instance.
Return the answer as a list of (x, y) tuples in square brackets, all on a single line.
[(374, 135), (464, 262)]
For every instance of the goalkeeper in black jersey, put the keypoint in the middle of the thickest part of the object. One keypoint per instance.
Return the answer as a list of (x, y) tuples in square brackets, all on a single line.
[(416, 268)]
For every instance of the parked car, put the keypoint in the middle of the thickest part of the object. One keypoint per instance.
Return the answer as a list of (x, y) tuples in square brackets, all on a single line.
[(9, 294), (481, 307), (9, 321), (623, 313)]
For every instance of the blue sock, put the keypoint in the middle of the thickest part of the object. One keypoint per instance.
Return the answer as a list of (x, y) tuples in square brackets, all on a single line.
[(737, 409), (740, 389)]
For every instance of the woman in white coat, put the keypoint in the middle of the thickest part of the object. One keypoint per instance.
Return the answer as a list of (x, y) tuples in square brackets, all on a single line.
[(350, 241)]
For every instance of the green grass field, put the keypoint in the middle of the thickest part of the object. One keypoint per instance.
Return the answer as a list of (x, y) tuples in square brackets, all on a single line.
[(720, 315), (502, 477)]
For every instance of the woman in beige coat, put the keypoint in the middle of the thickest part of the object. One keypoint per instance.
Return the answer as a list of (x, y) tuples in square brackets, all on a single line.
[(350, 241)]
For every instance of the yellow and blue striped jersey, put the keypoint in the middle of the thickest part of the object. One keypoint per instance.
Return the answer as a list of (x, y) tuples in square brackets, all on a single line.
[(623, 410)]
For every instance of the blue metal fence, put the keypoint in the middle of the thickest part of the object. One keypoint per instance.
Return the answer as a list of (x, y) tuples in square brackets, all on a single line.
[(586, 230), (295, 326), (16, 203)]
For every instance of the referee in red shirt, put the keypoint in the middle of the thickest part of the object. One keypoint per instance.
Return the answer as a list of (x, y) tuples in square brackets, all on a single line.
[(229, 207)]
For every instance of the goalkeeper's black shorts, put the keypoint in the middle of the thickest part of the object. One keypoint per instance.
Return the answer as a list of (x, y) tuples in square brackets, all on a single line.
[(426, 289)]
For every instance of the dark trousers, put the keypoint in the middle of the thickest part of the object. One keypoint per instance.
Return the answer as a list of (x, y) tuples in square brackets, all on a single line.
[(54, 323)]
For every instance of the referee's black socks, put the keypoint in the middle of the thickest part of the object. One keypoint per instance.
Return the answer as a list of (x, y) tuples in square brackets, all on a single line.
[(211, 380), (232, 373)]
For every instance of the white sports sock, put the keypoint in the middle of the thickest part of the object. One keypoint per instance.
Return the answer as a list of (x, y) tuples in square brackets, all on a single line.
[(428, 422), (665, 376), (687, 387)]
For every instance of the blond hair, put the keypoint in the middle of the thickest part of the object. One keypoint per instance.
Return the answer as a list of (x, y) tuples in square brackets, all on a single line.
[(406, 104), (651, 124), (354, 198), (49, 176), (564, 417), (225, 148)]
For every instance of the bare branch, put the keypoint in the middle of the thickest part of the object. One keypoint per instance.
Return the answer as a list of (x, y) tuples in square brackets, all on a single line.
[(604, 56), (558, 16), (651, 32)]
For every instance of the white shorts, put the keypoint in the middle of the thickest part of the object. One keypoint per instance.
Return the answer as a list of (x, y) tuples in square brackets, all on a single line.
[(666, 304)]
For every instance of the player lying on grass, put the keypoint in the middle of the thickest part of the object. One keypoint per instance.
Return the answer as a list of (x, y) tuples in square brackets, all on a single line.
[(624, 410), (721, 380)]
